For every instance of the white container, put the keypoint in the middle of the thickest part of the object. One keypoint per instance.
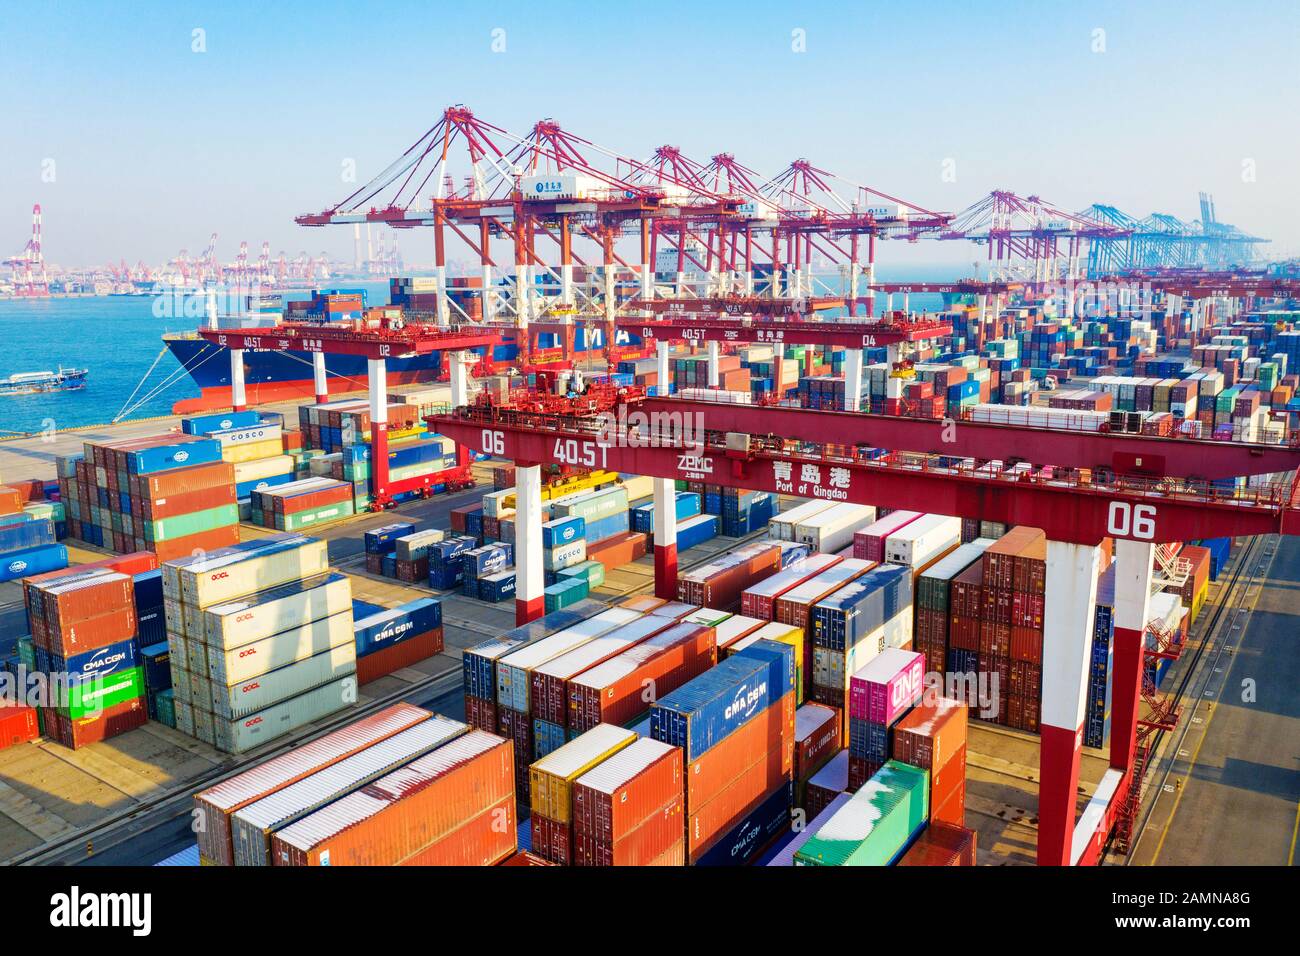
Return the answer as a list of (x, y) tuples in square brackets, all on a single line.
[(236, 623), (565, 556), (245, 733), (781, 527), (831, 530), (252, 826), (921, 541), (280, 650), (514, 671), (245, 436), (259, 468), (231, 572)]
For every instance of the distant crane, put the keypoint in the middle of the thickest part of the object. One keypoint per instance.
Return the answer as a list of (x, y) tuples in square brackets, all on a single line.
[(29, 277)]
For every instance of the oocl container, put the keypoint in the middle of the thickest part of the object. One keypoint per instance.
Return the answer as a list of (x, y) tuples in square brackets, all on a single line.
[(284, 683), (245, 733), (263, 613), (252, 825), (232, 572), (226, 667)]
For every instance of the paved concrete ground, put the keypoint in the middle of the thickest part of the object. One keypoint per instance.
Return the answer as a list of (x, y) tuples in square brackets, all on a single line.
[(1233, 794)]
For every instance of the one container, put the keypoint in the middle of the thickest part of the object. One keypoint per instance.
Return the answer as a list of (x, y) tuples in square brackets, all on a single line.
[(887, 686)]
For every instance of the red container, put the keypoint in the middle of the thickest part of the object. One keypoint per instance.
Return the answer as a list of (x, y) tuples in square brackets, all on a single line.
[(18, 724), (640, 783), (1027, 610), (309, 501), (817, 738), (964, 633), (524, 858), (931, 734), (615, 692), (411, 571), (180, 504), (454, 805), (1026, 645), (408, 652), (481, 714), (723, 588), (552, 839), (997, 605), (942, 844), (115, 720), (211, 540), (995, 639), (966, 593), (518, 728), (766, 741), (90, 633), (375, 563), (1026, 679), (657, 841)]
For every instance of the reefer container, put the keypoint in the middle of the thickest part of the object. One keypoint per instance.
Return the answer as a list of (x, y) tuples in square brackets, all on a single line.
[(214, 806), (869, 542), (614, 692), (781, 527), (887, 686), (416, 813), (833, 529), (874, 826), (846, 617), (921, 541), (253, 730), (263, 613), (252, 825)]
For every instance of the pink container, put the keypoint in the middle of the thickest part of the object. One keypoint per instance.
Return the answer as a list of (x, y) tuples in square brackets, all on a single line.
[(884, 688), (869, 542)]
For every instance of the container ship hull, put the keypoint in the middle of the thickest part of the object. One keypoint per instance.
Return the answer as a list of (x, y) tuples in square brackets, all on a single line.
[(271, 376)]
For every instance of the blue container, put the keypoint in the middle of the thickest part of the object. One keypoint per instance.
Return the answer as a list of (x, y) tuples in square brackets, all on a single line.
[(26, 534), (202, 424), (488, 559), (743, 842), (388, 566), (157, 670), (856, 610), (547, 737), (245, 488), (696, 530), (963, 661), (780, 660), (497, 587), (703, 712), (386, 628), (869, 740), (151, 623), (384, 540), (607, 527), (362, 609), (38, 560), (146, 461), (101, 662), (563, 531)]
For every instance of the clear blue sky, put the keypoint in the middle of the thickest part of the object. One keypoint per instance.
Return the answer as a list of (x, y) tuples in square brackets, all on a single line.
[(155, 146)]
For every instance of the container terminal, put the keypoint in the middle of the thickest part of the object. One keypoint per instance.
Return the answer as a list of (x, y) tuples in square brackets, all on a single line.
[(655, 555)]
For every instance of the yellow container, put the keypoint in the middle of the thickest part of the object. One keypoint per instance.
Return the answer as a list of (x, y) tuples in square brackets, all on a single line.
[(253, 450), (551, 779)]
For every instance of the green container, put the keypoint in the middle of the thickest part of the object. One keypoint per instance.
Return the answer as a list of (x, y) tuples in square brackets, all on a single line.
[(164, 704), (179, 526), (874, 826), (27, 653), (317, 516), (90, 697), (564, 594), (593, 572), (706, 616)]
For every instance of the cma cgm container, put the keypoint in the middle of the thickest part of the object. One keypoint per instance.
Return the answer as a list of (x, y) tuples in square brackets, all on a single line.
[(627, 811), (454, 806), (613, 692), (392, 626), (874, 827), (213, 807), (252, 825)]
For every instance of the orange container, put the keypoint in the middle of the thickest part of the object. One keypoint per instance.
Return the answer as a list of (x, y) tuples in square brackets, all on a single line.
[(412, 815), (222, 537), (201, 499), (767, 740), (817, 738), (942, 844), (408, 652), (180, 481), (931, 733), (705, 826)]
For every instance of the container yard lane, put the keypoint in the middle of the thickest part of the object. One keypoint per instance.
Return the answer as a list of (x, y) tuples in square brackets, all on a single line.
[(1230, 795)]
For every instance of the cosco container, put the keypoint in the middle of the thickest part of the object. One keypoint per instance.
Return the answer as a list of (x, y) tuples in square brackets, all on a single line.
[(252, 825), (213, 807)]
